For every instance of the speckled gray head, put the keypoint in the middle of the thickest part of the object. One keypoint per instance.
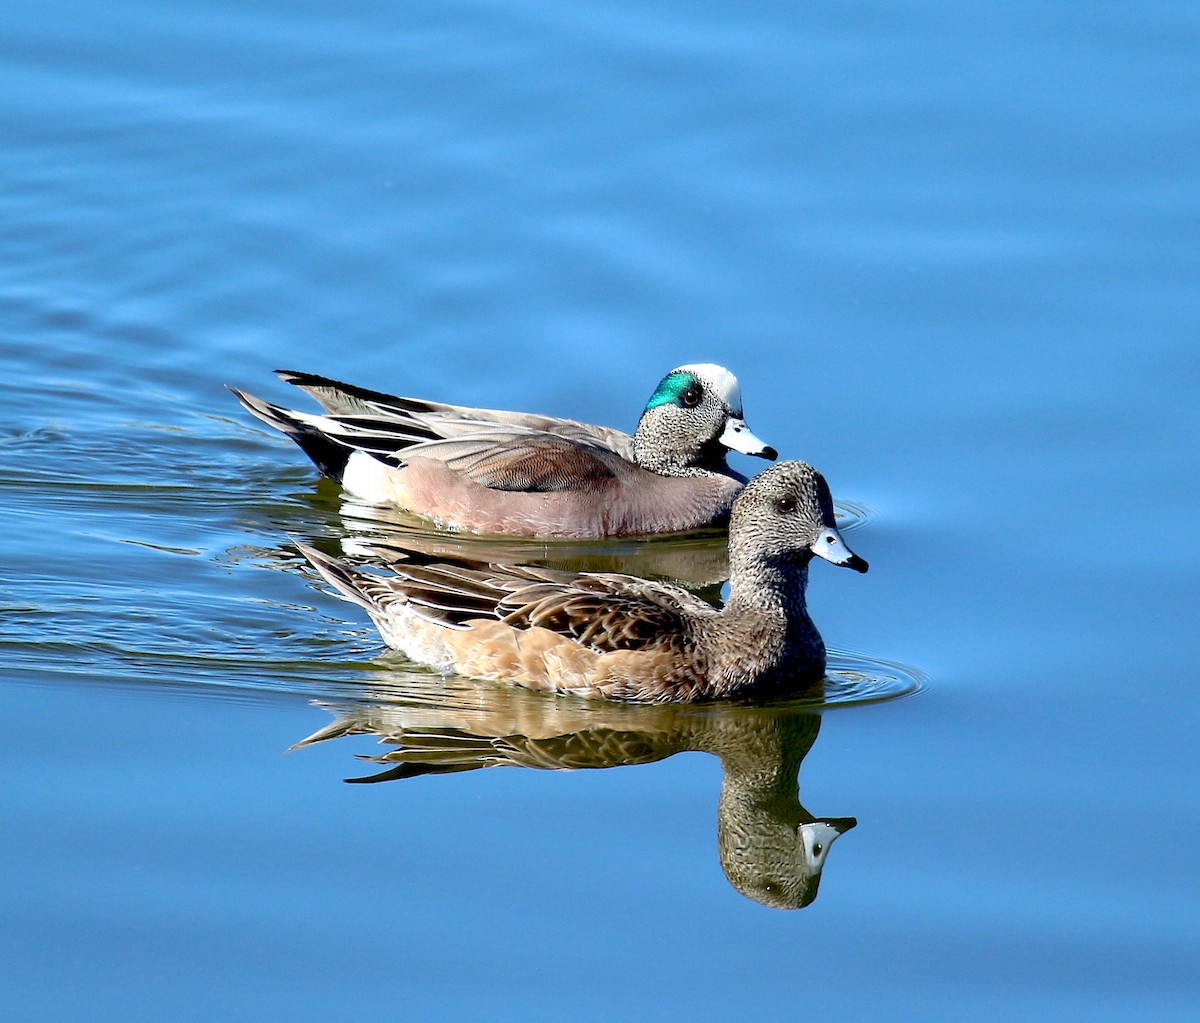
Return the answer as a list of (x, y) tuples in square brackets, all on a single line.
[(786, 512), (774, 861), (693, 417)]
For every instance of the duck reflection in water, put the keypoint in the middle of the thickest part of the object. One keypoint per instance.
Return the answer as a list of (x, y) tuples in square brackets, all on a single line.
[(698, 560), (386, 536), (771, 848)]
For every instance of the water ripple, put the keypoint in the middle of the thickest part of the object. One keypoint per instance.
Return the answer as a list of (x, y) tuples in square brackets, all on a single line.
[(859, 678)]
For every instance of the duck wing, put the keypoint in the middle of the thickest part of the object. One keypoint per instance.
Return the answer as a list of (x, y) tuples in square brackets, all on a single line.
[(498, 456), (602, 611), (502, 458), (525, 460), (607, 611), (434, 420)]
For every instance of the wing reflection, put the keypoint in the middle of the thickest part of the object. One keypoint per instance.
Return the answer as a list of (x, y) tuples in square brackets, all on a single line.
[(771, 848), (699, 559)]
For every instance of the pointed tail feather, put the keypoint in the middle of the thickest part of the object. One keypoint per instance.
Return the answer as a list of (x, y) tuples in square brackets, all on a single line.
[(352, 583), (344, 399), (335, 396), (328, 455)]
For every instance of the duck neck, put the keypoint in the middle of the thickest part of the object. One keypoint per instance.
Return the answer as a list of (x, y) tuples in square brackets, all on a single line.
[(771, 586), (766, 637), (654, 451)]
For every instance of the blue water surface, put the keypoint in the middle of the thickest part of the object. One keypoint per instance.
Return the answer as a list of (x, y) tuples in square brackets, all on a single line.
[(951, 253)]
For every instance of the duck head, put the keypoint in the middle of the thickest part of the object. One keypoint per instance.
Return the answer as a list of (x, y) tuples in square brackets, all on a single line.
[(784, 517), (692, 420)]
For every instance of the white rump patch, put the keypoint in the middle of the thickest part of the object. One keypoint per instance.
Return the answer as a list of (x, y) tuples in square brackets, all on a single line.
[(366, 478)]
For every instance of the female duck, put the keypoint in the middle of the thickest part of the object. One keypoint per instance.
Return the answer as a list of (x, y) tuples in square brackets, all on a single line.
[(618, 637), (529, 475)]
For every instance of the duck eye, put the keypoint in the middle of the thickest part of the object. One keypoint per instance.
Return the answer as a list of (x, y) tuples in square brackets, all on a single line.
[(691, 396), (785, 505)]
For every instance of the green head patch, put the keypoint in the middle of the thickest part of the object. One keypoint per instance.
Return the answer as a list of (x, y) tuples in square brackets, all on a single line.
[(680, 388)]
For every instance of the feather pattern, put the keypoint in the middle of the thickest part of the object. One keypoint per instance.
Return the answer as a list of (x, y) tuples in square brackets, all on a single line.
[(518, 473), (614, 636)]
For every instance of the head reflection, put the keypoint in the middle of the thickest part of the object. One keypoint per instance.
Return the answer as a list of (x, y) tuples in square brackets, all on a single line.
[(771, 848)]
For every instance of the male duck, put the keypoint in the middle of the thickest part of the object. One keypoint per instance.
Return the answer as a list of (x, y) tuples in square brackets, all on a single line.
[(618, 637), (529, 475)]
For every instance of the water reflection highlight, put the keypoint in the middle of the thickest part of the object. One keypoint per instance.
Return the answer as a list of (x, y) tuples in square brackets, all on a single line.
[(771, 848), (698, 559)]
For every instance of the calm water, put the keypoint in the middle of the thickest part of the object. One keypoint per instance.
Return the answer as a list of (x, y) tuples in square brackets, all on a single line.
[(952, 255)]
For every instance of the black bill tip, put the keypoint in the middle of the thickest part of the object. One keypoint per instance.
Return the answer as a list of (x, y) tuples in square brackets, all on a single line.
[(856, 563)]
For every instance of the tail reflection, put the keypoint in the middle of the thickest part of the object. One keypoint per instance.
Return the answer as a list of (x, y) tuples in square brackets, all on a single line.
[(771, 848)]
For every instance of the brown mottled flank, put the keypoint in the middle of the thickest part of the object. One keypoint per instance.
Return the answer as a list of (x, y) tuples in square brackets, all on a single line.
[(519, 474), (618, 637)]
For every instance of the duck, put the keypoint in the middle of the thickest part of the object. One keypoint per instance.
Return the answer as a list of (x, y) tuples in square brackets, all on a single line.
[(518, 474), (609, 636)]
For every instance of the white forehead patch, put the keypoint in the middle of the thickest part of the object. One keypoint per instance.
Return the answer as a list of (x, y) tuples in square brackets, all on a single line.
[(720, 381)]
